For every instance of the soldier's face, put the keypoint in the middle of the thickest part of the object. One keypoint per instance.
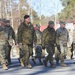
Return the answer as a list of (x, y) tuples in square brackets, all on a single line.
[(27, 20), (2, 23), (51, 25), (8, 24), (37, 28), (62, 25)]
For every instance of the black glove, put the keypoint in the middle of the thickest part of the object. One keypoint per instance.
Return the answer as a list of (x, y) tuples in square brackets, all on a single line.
[(43, 47)]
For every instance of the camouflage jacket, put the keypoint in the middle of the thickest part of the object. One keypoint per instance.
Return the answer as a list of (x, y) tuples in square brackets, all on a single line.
[(26, 34), (3, 37), (48, 36), (38, 35), (9, 30), (74, 35), (62, 35)]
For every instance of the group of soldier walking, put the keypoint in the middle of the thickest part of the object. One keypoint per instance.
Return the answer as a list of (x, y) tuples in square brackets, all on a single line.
[(29, 37)]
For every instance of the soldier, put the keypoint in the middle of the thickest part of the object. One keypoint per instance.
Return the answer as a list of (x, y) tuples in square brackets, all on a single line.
[(38, 48), (3, 40), (73, 43), (48, 41), (11, 36), (62, 39), (26, 37)]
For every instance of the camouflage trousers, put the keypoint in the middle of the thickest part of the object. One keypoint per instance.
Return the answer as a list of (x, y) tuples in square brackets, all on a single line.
[(2, 55), (7, 52), (27, 51), (50, 50), (61, 52), (72, 49)]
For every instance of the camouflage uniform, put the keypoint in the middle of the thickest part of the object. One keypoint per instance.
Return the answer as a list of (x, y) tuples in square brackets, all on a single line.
[(11, 35), (48, 41), (3, 40), (73, 44), (62, 37), (38, 48), (26, 36)]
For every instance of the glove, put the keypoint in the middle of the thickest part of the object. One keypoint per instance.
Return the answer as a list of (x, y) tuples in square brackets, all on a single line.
[(43, 47)]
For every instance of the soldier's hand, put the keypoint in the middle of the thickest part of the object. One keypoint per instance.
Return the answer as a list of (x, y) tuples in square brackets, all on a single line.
[(43, 47), (11, 44), (20, 45)]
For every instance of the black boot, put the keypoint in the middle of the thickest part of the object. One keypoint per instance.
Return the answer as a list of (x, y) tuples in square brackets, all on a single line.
[(57, 61), (53, 66), (40, 61), (45, 63), (34, 61)]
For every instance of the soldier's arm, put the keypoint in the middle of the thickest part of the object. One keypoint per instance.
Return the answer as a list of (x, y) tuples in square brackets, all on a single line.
[(13, 35), (57, 37), (68, 40), (19, 34), (43, 38)]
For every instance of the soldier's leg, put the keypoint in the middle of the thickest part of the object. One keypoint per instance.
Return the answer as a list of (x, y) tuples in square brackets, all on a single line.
[(39, 53), (62, 56), (71, 50), (51, 59), (50, 50), (72, 53), (25, 58), (2, 58), (57, 56), (65, 52), (47, 57), (74, 48), (31, 55), (45, 60), (9, 59), (34, 57)]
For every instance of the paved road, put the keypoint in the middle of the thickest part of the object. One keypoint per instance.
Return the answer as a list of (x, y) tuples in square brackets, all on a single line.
[(16, 69)]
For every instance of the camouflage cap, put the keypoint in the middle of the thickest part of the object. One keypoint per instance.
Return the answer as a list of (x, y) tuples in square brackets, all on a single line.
[(50, 22), (62, 22), (26, 16), (7, 21), (4, 20)]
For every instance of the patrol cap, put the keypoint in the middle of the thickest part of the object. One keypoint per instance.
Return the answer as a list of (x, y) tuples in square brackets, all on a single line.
[(37, 25), (50, 22), (7, 21), (26, 16), (62, 22), (4, 20)]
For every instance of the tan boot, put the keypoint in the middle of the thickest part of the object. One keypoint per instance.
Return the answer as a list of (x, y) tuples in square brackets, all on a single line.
[(63, 65), (29, 66), (4, 66), (22, 64)]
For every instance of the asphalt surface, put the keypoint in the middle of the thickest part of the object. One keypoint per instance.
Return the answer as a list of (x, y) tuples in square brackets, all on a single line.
[(16, 69)]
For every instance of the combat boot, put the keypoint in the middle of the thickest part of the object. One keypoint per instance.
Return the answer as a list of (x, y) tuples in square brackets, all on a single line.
[(40, 62), (22, 64), (53, 66), (4, 66), (45, 63), (57, 61), (63, 65), (29, 66), (34, 61)]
